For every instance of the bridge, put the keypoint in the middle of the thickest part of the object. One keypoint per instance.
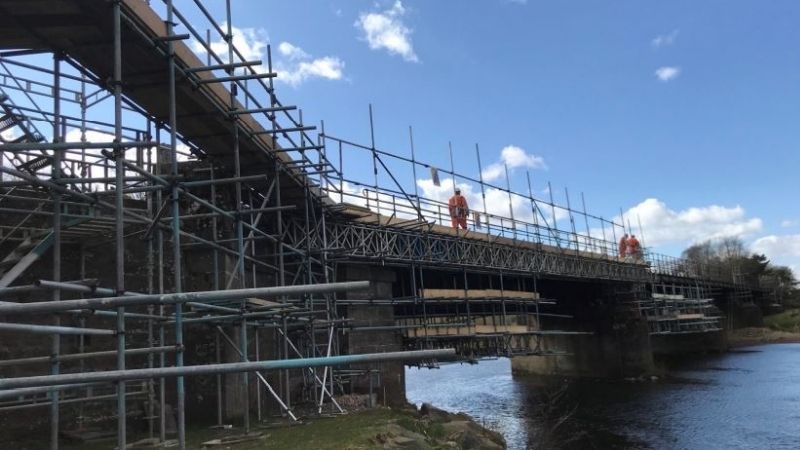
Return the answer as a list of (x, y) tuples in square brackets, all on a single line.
[(176, 240)]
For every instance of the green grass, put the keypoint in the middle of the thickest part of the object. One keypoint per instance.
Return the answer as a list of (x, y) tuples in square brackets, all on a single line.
[(788, 320), (346, 432)]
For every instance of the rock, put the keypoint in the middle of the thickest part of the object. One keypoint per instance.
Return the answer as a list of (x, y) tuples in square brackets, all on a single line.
[(433, 428), (399, 438), (434, 413), (409, 443), (468, 435)]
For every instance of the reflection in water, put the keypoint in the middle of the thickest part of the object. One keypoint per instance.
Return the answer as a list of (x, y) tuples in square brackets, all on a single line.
[(744, 399)]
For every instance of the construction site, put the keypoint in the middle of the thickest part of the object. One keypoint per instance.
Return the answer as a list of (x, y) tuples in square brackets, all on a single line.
[(179, 248)]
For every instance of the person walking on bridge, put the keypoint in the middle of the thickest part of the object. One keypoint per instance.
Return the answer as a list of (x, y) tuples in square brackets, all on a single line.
[(623, 246), (458, 210), (634, 248)]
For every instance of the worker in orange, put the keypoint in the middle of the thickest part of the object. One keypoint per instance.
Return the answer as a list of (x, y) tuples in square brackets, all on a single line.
[(634, 248), (458, 210), (623, 246)]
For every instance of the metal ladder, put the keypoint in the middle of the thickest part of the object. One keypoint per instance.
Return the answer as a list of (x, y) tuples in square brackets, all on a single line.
[(32, 248), (10, 119)]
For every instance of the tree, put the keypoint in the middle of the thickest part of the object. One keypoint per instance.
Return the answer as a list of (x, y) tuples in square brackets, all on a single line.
[(781, 281), (699, 258), (728, 259)]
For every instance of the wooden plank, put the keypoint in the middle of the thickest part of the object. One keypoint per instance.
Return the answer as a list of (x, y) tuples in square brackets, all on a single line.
[(691, 316), (262, 302), (466, 330), (668, 297), (441, 331), (512, 294), (492, 329), (476, 293), (441, 293)]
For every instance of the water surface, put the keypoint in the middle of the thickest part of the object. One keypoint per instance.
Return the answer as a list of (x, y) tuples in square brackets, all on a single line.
[(746, 399)]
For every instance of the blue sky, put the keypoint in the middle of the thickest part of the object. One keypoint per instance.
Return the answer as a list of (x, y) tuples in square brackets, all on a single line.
[(685, 111), (682, 113)]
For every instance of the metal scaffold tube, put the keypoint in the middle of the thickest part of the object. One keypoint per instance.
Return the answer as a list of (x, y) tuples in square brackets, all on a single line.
[(210, 369), (21, 392), (237, 168), (56, 294), (176, 241), (119, 168), (82, 356), (54, 330), (179, 298), (260, 377)]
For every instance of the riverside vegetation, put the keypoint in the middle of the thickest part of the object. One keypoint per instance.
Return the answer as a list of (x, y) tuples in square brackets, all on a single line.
[(428, 428)]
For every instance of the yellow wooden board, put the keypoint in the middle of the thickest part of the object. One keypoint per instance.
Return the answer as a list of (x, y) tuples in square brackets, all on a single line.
[(420, 331), (691, 316), (491, 329), (262, 302), (476, 293)]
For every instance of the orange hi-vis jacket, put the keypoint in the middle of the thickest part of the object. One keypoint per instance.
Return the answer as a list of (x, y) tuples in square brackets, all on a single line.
[(633, 245), (458, 206)]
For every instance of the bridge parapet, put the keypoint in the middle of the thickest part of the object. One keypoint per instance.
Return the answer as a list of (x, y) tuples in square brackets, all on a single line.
[(546, 237), (435, 246)]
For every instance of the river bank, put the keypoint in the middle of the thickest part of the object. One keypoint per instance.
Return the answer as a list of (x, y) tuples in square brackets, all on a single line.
[(778, 328), (746, 337), (427, 428)]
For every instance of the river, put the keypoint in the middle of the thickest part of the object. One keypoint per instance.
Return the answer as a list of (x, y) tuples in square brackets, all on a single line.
[(746, 399)]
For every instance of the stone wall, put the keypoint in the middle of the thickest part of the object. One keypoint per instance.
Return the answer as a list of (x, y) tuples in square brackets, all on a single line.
[(390, 385)]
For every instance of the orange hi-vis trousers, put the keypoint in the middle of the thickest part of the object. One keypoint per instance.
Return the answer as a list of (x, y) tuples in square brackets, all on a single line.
[(459, 221)]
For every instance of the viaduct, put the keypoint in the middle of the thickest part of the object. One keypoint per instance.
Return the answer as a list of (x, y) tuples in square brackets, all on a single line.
[(177, 246)]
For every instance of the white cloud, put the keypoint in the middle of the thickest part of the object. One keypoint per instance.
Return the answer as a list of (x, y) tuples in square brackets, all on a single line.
[(778, 246), (293, 64), (662, 225), (789, 223), (9, 134), (74, 135), (667, 73), (780, 249), (251, 43), (296, 72), (513, 157), (664, 40), (292, 51), (386, 30)]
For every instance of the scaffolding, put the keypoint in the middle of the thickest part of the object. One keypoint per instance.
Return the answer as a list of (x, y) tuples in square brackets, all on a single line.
[(680, 309), (194, 162), (126, 144)]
